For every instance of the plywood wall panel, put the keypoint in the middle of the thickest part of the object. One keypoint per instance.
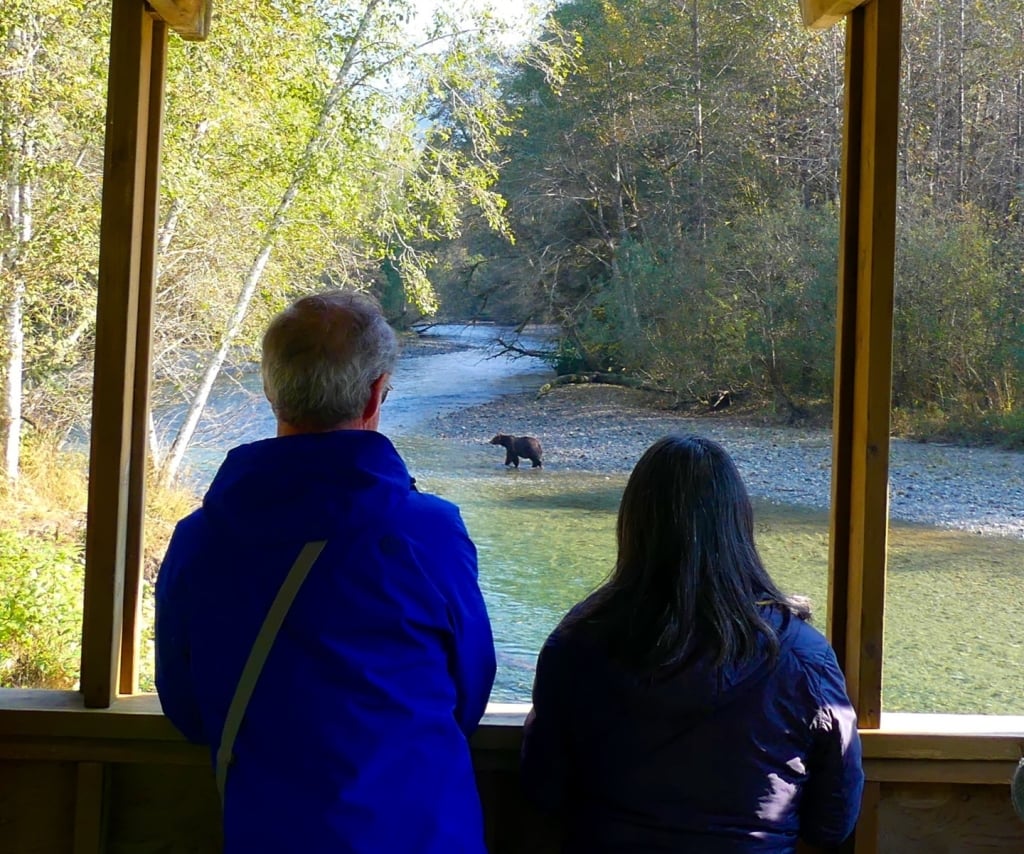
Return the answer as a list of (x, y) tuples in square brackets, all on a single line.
[(162, 809), (37, 807), (948, 819)]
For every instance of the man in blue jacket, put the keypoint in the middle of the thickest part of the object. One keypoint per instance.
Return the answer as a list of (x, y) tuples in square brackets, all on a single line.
[(356, 736)]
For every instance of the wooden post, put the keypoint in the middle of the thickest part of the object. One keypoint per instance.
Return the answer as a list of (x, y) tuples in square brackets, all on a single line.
[(129, 677), (822, 14), (190, 19), (121, 239), (860, 465), (867, 836), (90, 798)]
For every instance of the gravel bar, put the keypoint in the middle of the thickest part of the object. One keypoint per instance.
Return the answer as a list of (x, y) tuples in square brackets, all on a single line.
[(605, 429)]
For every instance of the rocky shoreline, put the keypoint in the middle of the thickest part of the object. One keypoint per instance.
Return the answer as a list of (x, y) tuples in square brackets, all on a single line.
[(605, 429)]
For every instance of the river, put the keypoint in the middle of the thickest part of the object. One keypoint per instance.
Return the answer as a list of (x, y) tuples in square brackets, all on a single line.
[(545, 537)]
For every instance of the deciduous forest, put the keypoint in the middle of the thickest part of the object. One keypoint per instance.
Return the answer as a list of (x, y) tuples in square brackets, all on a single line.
[(674, 203), (657, 180), (660, 180)]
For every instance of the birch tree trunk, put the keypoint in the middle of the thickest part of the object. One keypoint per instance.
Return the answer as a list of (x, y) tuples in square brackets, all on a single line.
[(698, 120), (20, 193), (961, 108), (10, 416), (1017, 171), (342, 85), (625, 285), (15, 232), (938, 133)]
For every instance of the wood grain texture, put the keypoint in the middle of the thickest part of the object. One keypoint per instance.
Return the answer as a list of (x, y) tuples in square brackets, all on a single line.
[(971, 772), (158, 809), (879, 744), (841, 511), (136, 751), (190, 19), (128, 680), (857, 555), (822, 14), (90, 803), (153, 806), (63, 714), (948, 819), (121, 222), (37, 807), (866, 838)]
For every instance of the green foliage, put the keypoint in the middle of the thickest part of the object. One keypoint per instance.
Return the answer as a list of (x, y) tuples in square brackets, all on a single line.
[(751, 308), (52, 101), (957, 317), (41, 583), (674, 197), (601, 352), (566, 358), (659, 179), (930, 424), (776, 269), (303, 141), (632, 187)]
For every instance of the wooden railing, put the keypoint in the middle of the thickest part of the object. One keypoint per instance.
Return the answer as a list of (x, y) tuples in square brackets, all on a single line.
[(123, 781)]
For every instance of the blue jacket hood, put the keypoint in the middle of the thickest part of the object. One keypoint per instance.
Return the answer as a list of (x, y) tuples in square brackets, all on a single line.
[(288, 486)]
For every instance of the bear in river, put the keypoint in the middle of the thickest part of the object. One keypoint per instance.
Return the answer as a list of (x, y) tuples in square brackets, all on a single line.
[(519, 446)]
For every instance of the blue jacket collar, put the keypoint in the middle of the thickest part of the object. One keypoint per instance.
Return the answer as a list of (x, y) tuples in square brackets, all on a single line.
[(302, 485)]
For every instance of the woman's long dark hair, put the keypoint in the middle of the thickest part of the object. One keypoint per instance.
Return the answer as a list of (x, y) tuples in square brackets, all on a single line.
[(688, 578)]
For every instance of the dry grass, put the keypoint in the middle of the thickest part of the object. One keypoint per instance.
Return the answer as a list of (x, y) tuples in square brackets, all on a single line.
[(50, 499), (164, 507)]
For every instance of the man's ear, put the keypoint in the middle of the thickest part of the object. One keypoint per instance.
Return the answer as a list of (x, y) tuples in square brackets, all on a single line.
[(372, 408)]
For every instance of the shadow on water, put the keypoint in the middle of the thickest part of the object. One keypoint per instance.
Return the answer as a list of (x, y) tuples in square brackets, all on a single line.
[(598, 498)]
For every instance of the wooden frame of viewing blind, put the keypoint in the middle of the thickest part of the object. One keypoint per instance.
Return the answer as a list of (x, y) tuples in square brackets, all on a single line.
[(859, 515)]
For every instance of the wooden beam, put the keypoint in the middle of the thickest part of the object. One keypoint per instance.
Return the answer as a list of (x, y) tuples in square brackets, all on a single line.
[(134, 556), (115, 751), (965, 773), (190, 19), (857, 554), (927, 747), (90, 791), (121, 228), (866, 839), (845, 353), (822, 14), (43, 720)]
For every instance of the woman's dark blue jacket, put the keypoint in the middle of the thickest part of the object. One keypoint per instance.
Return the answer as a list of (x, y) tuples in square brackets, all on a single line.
[(736, 759), (356, 738)]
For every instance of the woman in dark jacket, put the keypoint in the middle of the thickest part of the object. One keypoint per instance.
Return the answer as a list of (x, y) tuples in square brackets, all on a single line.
[(686, 705)]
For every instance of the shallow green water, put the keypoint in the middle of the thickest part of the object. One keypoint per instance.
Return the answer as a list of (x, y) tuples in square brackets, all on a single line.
[(955, 601)]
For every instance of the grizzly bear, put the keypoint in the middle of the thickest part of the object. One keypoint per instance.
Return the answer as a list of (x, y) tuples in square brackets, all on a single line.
[(519, 446)]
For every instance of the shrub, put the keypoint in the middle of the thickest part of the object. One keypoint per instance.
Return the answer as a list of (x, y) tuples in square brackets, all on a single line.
[(40, 611)]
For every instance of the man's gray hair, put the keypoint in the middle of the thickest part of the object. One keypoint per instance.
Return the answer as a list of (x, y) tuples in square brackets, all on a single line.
[(322, 354)]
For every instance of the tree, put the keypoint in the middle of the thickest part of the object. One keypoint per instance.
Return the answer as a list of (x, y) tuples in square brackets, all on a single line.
[(956, 314), (362, 173), (675, 121), (51, 108)]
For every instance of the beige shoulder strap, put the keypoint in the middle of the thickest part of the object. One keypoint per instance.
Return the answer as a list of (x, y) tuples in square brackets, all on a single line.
[(1017, 790), (258, 656)]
